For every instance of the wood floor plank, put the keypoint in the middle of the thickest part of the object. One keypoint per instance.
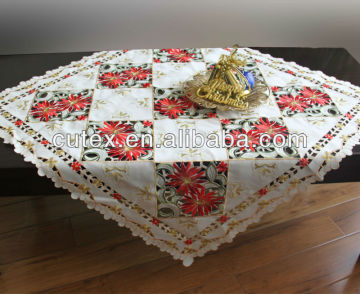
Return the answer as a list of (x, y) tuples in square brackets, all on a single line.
[(6, 200), (350, 285), (79, 263), (226, 284), (305, 271), (317, 197), (247, 252), (346, 216), (38, 211), (91, 227), (37, 240)]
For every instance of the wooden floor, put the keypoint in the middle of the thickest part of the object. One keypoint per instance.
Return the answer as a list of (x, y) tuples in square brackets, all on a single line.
[(56, 245)]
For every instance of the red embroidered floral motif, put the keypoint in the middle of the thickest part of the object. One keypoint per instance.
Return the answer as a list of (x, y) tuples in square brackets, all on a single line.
[(188, 242), (18, 123), (272, 128), (349, 116), (44, 142), (137, 73), (315, 96), (304, 162), (253, 138), (116, 196), (76, 166), (74, 103), (45, 110), (225, 121), (155, 221), (223, 218), (201, 203), (113, 80), (146, 85), (275, 89), (211, 115), (118, 129), (187, 179), (180, 55), (293, 103), (125, 152), (329, 136), (147, 123), (263, 191), (170, 107), (222, 167)]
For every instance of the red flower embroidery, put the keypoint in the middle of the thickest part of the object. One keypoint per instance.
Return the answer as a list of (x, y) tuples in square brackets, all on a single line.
[(97, 62), (155, 221), (263, 191), (82, 117), (315, 96), (211, 115), (44, 110), (74, 103), (124, 152), (326, 86), (293, 103), (188, 242), (223, 218), (275, 89), (227, 49), (187, 103), (252, 139), (44, 142), (329, 136), (147, 123), (186, 179), (137, 73), (201, 203), (272, 128), (113, 80), (180, 55), (146, 85), (290, 72), (19, 122), (67, 76), (222, 167), (349, 116), (31, 91), (118, 129), (157, 60), (76, 166), (170, 107), (225, 121), (257, 60), (304, 162), (116, 196)]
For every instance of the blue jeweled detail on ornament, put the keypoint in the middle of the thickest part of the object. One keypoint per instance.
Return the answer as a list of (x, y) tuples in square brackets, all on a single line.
[(249, 76)]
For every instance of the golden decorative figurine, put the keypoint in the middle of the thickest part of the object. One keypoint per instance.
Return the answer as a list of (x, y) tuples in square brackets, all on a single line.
[(226, 87)]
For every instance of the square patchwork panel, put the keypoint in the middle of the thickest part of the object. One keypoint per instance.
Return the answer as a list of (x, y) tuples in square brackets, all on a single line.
[(177, 55), (191, 188), (128, 75), (60, 105), (173, 75), (188, 139), (244, 138), (304, 101), (122, 104), (113, 143), (173, 103)]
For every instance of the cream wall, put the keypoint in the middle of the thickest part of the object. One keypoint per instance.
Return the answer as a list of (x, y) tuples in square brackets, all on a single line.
[(29, 26)]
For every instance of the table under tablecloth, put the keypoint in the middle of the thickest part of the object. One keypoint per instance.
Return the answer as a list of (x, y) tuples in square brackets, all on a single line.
[(185, 200)]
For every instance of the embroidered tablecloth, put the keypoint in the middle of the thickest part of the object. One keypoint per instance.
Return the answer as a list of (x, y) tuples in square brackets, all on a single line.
[(185, 200)]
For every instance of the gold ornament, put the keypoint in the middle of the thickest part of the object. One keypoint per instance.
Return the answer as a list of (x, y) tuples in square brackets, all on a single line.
[(226, 87)]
